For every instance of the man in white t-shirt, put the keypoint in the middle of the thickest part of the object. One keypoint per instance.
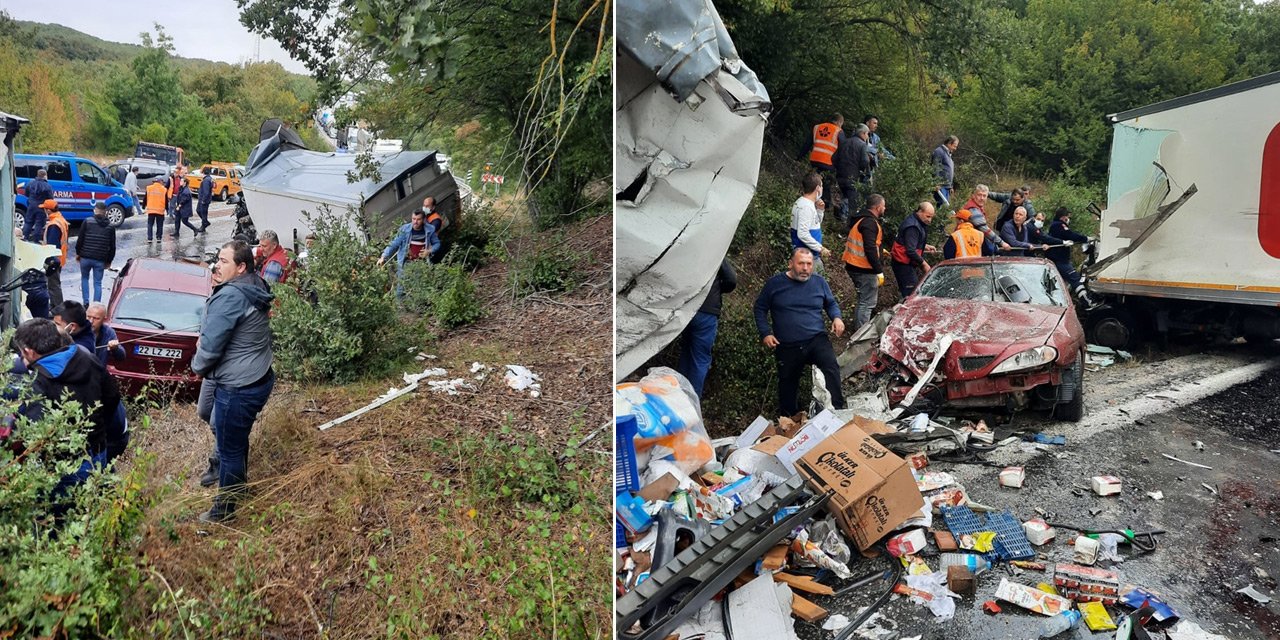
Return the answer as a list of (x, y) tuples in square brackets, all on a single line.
[(806, 220)]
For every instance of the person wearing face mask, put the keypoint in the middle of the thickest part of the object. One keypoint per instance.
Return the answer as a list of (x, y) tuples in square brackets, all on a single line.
[(1061, 256), (234, 354), (70, 317), (806, 220), (1022, 236), (433, 217)]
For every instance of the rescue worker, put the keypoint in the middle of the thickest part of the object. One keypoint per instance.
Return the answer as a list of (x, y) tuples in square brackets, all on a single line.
[(56, 232), (1061, 256), (827, 138), (157, 204), (974, 205), (908, 249), (862, 249), (966, 241), (273, 259), (416, 240), (1023, 236), (433, 217)]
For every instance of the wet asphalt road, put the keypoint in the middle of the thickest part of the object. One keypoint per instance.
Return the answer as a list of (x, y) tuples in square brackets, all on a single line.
[(131, 242), (1216, 543)]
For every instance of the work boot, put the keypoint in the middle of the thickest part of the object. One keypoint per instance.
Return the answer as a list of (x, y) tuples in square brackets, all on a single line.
[(210, 476), (216, 516)]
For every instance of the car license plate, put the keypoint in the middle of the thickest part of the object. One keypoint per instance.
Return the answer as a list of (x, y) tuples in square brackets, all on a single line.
[(158, 352)]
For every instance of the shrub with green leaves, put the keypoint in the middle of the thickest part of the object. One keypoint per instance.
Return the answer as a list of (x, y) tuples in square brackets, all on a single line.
[(352, 328), (551, 268), (444, 291)]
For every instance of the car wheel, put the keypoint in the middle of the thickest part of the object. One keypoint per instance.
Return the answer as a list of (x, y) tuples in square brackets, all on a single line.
[(18, 213), (1115, 327), (115, 215), (223, 196), (1071, 409)]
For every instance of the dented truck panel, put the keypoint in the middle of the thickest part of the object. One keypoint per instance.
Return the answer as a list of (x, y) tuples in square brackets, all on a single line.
[(983, 333), (690, 128)]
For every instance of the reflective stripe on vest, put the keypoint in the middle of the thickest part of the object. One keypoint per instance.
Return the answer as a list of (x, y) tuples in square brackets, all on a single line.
[(854, 253), (968, 242), (824, 143)]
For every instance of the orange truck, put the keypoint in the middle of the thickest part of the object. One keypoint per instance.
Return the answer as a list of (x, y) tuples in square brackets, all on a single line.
[(226, 179)]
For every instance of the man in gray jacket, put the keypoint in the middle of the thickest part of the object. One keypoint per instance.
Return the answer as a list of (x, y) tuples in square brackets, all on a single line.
[(234, 354)]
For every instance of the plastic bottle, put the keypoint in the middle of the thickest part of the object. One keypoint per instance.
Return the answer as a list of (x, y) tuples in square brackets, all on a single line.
[(976, 563), (1064, 621)]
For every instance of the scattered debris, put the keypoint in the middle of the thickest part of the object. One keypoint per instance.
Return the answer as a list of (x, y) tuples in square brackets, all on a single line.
[(1031, 598), (835, 622), (1106, 485), (1198, 445), (1087, 584), (1096, 616), (1186, 462), (1139, 598), (412, 381), (1012, 477), (1038, 532), (990, 607), (521, 378), (1257, 596), (1086, 550), (1215, 491), (1156, 495), (452, 387), (1188, 630), (480, 371)]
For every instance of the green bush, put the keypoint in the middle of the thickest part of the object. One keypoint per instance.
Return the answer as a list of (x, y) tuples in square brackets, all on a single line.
[(69, 576), (352, 328), (905, 182), (1070, 190), (550, 268), (768, 216), (481, 236), (444, 291)]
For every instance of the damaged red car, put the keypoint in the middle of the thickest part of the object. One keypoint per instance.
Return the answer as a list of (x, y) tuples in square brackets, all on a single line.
[(1008, 333)]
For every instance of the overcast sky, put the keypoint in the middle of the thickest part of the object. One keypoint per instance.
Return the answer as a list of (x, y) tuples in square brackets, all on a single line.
[(208, 29)]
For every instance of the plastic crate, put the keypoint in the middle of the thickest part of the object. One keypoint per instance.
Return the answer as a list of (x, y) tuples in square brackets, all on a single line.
[(1011, 542), (625, 476)]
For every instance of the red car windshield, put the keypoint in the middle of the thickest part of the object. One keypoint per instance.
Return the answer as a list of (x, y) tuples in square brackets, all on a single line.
[(160, 310), (987, 282)]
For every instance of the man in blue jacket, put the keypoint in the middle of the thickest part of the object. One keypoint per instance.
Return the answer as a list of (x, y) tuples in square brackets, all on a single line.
[(796, 300), (37, 191), (234, 353), (416, 240)]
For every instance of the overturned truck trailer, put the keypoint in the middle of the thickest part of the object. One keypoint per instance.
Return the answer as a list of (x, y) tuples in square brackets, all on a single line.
[(1190, 240), (284, 184), (690, 127)]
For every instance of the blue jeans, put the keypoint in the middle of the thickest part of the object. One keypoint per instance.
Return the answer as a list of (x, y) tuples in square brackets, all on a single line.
[(695, 349), (33, 221), (90, 265), (868, 286), (234, 410)]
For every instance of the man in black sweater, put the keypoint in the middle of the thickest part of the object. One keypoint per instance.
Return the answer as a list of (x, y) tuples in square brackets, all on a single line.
[(700, 335), (796, 300)]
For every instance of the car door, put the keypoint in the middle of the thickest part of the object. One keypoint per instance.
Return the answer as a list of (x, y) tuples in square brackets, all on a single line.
[(63, 181), (94, 183)]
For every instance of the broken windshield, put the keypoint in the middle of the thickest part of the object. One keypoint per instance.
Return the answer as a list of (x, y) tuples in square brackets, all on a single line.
[(979, 282)]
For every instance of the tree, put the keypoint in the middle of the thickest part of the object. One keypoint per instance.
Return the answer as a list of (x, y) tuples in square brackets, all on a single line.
[(151, 90)]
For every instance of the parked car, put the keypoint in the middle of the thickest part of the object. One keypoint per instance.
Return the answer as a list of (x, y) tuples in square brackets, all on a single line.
[(148, 171), (226, 179), (1016, 339), (156, 308), (78, 183)]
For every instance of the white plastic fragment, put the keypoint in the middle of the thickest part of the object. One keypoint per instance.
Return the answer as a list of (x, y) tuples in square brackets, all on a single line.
[(1188, 630), (835, 622), (1156, 495), (450, 387), (1257, 596), (521, 378)]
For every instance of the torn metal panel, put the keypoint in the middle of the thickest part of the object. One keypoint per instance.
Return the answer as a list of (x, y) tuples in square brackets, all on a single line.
[(686, 168)]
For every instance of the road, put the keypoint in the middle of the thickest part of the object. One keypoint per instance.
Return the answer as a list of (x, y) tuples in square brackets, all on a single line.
[(131, 242), (1223, 397)]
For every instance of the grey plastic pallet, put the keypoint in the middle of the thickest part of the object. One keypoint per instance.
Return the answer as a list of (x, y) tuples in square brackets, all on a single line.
[(699, 572)]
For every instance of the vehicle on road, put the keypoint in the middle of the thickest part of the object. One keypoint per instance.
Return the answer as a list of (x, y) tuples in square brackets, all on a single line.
[(156, 308), (285, 183), (1010, 334), (1190, 237), (169, 155), (148, 171), (226, 179), (78, 184)]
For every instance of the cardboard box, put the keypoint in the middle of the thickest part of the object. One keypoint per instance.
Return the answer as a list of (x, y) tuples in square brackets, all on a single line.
[(874, 489), (818, 429)]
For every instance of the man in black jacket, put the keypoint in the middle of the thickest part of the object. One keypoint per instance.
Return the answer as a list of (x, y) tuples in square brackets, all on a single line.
[(37, 191), (182, 211), (700, 335), (853, 168), (95, 249), (206, 195)]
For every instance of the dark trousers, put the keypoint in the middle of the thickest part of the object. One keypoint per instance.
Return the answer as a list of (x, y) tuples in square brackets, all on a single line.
[(828, 175), (907, 278), (792, 358), (1069, 273), (203, 212), (180, 220), (38, 304), (33, 221), (155, 224), (234, 410), (695, 349), (849, 191), (54, 277)]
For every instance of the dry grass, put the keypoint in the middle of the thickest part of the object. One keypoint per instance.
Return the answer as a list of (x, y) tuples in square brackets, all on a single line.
[(397, 524)]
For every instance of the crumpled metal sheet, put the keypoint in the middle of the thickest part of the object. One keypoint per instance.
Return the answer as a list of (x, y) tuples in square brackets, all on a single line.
[(686, 168)]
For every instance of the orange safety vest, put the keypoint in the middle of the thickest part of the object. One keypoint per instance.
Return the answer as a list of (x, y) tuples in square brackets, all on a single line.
[(968, 241), (854, 253), (825, 140), (61, 223), (156, 194)]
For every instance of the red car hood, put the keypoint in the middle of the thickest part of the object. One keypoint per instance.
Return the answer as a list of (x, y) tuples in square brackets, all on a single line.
[(979, 328)]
